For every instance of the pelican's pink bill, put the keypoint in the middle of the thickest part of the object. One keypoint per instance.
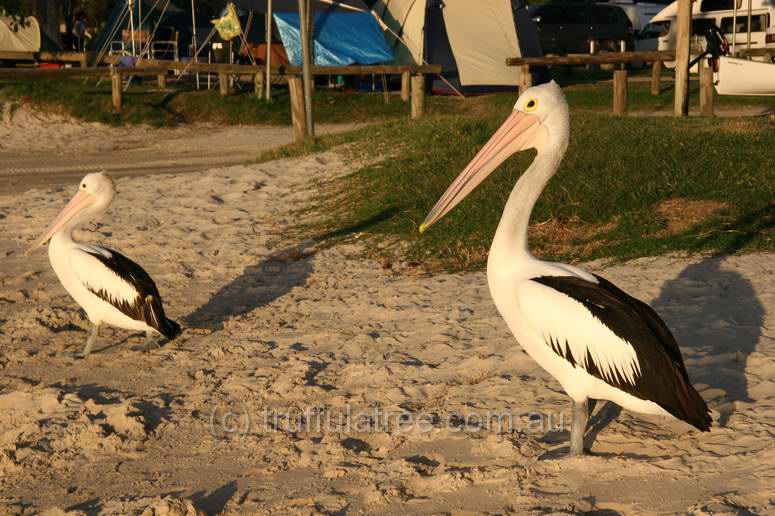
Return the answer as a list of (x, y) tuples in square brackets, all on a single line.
[(516, 134), (79, 202)]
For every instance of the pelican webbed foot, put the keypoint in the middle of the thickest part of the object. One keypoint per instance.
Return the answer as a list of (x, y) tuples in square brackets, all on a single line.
[(150, 343)]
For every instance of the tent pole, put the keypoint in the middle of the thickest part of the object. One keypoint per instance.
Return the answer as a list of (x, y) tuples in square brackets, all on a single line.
[(734, 27), (269, 51), (140, 28), (749, 25), (305, 63), (132, 25), (193, 31)]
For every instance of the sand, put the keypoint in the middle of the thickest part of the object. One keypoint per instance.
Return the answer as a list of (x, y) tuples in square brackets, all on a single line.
[(314, 380)]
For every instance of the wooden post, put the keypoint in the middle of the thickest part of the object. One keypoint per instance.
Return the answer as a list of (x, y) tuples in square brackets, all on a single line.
[(306, 62), (418, 97), (298, 116), (223, 83), (115, 79), (620, 92), (161, 80), (706, 89), (525, 78), (84, 60), (405, 79), (684, 18), (258, 84), (656, 78)]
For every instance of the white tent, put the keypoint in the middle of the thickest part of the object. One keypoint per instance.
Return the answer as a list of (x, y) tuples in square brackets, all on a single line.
[(470, 39), (17, 36)]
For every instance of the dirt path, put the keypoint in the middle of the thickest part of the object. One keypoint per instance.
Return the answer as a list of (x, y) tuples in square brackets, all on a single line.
[(44, 150)]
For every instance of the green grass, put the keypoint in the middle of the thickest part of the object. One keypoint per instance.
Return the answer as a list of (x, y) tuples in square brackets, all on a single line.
[(615, 172)]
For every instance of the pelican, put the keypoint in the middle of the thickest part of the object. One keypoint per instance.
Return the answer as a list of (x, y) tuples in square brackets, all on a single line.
[(597, 341), (110, 287)]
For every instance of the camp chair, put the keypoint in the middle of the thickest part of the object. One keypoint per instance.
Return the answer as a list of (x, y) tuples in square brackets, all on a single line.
[(165, 44)]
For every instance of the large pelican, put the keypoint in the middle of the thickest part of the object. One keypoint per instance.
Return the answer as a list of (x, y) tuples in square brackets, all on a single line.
[(596, 340), (110, 287)]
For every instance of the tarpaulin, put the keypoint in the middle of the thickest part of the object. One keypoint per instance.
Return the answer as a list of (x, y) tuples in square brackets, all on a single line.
[(341, 38)]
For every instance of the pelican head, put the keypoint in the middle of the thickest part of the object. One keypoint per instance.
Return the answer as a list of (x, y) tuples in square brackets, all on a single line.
[(94, 195), (538, 121)]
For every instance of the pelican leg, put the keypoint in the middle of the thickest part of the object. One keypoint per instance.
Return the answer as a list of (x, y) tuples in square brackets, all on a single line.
[(578, 428), (150, 343), (95, 332)]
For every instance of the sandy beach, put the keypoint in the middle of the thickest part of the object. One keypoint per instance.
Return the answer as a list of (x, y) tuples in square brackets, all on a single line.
[(315, 381)]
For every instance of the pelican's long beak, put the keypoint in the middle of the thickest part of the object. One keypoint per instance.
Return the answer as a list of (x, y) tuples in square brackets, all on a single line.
[(81, 201), (519, 132)]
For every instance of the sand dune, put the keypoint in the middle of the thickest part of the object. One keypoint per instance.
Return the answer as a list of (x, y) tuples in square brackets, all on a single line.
[(316, 381)]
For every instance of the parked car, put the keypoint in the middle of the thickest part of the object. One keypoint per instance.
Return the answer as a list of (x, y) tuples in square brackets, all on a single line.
[(569, 27), (639, 13)]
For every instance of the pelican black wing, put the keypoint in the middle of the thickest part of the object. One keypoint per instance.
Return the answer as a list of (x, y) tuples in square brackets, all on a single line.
[(663, 378)]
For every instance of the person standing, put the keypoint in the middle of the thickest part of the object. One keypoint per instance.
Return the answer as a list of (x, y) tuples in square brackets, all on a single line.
[(79, 31)]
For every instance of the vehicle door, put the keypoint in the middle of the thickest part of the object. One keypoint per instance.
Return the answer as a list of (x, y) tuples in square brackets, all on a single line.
[(579, 30), (550, 21), (609, 27)]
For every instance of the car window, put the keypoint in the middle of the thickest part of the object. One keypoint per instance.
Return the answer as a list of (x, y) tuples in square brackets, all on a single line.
[(655, 30), (758, 23), (551, 14), (578, 15), (718, 5), (606, 16)]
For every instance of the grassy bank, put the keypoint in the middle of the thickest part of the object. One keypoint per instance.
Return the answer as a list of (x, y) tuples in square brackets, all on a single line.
[(181, 104), (91, 102), (628, 187)]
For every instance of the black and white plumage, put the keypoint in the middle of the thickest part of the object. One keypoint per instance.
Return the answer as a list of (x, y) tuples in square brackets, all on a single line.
[(596, 340), (110, 287), (144, 303), (649, 365)]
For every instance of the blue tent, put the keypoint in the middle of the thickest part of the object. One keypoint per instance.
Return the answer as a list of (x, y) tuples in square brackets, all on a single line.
[(345, 32), (340, 39)]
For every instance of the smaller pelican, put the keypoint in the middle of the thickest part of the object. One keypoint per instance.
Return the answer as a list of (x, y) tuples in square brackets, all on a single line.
[(110, 287)]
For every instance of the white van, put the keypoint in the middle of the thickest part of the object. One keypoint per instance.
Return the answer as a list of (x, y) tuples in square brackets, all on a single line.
[(660, 33)]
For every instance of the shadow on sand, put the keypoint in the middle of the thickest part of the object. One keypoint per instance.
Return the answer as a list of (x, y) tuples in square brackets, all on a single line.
[(717, 320), (270, 279)]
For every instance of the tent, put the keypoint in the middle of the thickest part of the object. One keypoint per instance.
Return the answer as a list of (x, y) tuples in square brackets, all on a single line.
[(16, 36), (470, 39), (153, 14), (345, 31)]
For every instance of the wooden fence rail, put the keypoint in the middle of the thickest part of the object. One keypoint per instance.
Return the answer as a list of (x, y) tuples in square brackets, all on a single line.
[(82, 58), (620, 94)]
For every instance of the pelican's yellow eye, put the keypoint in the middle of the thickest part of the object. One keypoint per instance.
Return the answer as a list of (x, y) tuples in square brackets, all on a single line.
[(531, 104)]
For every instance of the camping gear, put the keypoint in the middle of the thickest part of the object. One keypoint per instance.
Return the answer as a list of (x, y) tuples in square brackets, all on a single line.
[(18, 35), (471, 40), (345, 31), (228, 26), (153, 14)]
